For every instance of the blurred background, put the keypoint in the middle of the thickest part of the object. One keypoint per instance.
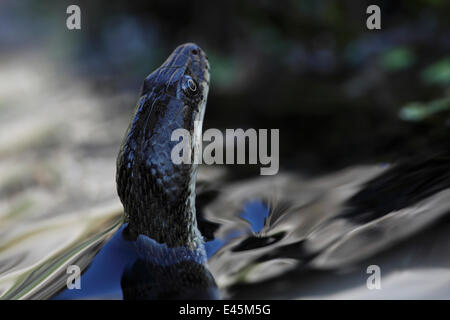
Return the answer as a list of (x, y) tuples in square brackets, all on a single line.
[(341, 95)]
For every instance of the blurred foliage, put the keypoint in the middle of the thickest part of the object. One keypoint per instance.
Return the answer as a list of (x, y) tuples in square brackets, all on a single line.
[(224, 71), (417, 111), (438, 73), (397, 59)]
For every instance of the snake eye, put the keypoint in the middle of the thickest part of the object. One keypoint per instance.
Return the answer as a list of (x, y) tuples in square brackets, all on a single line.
[(189, 85), (192, 85)]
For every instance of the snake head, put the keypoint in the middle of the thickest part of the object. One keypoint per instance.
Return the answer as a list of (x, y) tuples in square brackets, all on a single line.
[(159, 195)]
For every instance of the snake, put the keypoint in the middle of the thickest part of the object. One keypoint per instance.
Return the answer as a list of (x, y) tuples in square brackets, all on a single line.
[(157, 194), (159, 251)]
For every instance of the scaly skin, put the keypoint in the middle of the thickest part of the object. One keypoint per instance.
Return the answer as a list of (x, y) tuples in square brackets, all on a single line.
[(158, 195)]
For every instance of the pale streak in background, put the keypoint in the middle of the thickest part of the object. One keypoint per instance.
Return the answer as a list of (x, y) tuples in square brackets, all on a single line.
[(57, 170)]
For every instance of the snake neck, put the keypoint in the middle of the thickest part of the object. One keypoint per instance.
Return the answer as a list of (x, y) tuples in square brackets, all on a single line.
[(171, 223), (158, 193)]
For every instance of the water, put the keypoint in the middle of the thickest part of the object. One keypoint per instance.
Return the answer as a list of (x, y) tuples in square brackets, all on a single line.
[(273, 238), (267, 237)]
